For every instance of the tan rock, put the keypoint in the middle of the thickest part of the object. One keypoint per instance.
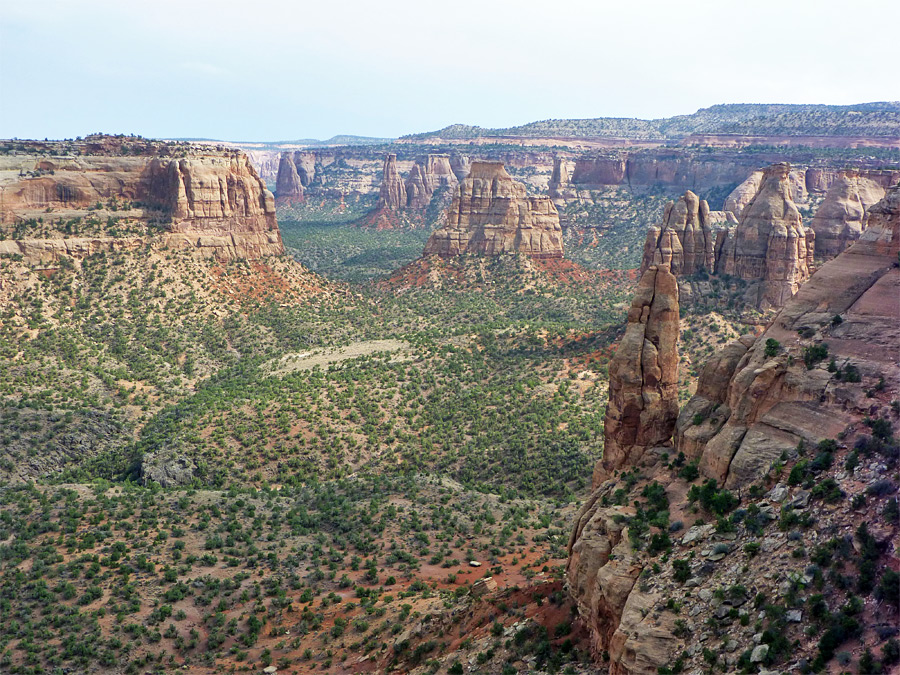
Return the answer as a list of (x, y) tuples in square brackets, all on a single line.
[(684, 240), (207, 192), (392, 195), (491, 215), (643, 375), (841, 218), (771, 403), (288, 187), (769, 245)]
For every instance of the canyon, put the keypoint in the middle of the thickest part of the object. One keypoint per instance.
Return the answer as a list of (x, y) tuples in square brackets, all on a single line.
[(760, 401)]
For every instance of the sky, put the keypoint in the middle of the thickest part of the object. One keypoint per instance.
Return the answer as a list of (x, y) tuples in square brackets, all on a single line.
[(269, 70)]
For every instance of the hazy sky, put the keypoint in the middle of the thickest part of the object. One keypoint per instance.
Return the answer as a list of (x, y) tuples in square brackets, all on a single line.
[(287, 69)]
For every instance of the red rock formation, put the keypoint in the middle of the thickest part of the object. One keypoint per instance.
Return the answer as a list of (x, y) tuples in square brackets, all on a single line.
[(744, 193), (643, 375), (841, 218), (288, 186), (684, 240), (759, 402), (769, 246), (392, 196), (460, 165), (211, 200), (491, 214)]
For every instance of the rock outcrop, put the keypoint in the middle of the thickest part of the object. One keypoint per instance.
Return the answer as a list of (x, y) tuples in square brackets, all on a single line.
[(427, 177), (392, 195), (744, 193), (769, 248), (603, 568), (643, 375), (841, 218), (209, 199), (491, 215), (560, 186), (685, 240), (288, 186), (759, 400), (460, 165)]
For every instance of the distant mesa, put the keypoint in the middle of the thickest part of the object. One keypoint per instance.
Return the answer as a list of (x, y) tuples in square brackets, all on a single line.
[(492, 215)]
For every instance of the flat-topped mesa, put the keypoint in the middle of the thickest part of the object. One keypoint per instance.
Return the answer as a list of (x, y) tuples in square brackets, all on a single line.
[(643, 375), (769, 247), (759, 399), (288, 186), (208, 199), (392, 196), (426, 177), (685, 240), (841, 218), (492, 215)]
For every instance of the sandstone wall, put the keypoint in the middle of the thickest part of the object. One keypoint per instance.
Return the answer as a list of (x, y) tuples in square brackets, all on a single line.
[(491, 215), (213, 198), (757, 405)]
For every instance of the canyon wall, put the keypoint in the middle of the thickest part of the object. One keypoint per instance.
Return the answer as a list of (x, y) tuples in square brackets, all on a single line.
[(491, 215), (199, 197), (841, 217), (759, 399)]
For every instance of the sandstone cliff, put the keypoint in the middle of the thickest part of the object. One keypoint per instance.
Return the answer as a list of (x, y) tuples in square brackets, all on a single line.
[(200, 197), (426, 177), (841, 217), (744, 193), (825, 370), (769, 248), (560, 186), (685, 240), (761, 399), (491, 215), (288, 186), (643, 375), (392, 195)]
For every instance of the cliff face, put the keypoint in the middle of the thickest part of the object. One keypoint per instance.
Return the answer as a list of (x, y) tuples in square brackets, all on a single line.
[(744, 193), (427, 177), (769, 246), (211, 200), (841, 218), (686, 238), (392, 195), (491, 215), (643, 375), (759, 402), (288, 186)]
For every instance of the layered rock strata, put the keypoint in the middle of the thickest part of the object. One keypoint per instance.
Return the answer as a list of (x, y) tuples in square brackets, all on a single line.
[(841, 218), (760, 399), (643, 375), (207, 199), (491, 215)]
